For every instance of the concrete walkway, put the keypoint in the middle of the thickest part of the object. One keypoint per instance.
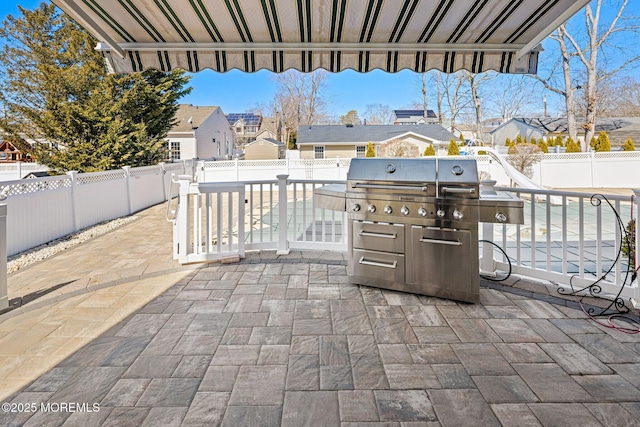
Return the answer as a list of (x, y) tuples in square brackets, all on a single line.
[(286, 340)]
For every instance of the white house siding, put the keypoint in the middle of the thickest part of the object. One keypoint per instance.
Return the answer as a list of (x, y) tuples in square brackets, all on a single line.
[(215, 126), (511, 130), (187, 144)]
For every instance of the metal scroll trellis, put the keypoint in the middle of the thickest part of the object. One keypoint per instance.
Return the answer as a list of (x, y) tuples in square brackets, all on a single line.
[(616, 308)]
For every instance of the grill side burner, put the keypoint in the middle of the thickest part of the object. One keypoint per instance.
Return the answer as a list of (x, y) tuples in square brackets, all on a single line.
[(413, 224)]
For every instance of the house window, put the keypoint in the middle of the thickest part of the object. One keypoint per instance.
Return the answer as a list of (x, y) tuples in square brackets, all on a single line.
[(361, 151), (173, 147), (238, 129), (318, 152)]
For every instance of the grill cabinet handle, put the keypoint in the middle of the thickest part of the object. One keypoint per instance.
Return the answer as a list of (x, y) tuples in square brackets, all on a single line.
[(363, 261), (442, 242), (390, 187), (383, 235), (454, 190)]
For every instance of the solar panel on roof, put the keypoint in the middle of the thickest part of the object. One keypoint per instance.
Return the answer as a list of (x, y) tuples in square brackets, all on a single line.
[(248, 118)]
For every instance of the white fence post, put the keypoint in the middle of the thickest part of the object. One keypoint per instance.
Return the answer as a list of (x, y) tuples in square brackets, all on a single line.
[(127, 177), (4, 298), (163, 172), (283, 243), (237, 165), (73, 175)]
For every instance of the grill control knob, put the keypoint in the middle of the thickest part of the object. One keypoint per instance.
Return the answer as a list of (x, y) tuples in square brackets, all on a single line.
[(371, 208), (404, 210), (501, 217), (356, 208), (422, 212), (387, 209), (457, 215), (440, 213)]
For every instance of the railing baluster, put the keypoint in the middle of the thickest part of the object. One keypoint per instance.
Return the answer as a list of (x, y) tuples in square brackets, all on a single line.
[(617, 244), (271, 213), (564, 235), (230, 221), (261, 213), (533, 232), (581, 236), (304, 212), (295, 211), (219, 221), (210, 213), (599, 270), (548, 226), (251, 212)]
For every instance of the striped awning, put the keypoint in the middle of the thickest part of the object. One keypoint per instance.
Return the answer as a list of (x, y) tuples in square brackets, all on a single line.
[(335, 35)]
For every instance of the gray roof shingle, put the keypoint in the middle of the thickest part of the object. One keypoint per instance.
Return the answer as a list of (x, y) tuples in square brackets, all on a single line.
[(340, 134)]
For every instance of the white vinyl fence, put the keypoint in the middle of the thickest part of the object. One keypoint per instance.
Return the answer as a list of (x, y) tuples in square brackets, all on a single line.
[(619, 169), (43, 209)]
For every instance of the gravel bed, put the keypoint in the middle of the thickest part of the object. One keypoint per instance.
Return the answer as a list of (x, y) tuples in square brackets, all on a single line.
[(39, 253)]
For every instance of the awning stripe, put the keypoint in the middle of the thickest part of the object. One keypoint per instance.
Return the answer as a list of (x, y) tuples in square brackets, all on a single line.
[(173, 19), (467, 20), (531, 20), (141, 20), (207, 22), (337, 20), (271, 17), (98, 10), (304, 18), (505, 65), (369, 23), (499, 20), (238, 19), (435, 20), (404, 17)]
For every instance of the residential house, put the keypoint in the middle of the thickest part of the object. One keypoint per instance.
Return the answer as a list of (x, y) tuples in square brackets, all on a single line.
[(413, 117), (264, 149), (347, 141), (245, 127), (11, 153), (200, 133), (617, 128)]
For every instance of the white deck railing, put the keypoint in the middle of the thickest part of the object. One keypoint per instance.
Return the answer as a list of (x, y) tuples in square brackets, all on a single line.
[(574, 244)]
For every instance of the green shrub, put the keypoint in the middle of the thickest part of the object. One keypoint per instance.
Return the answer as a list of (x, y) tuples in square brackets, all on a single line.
[(543, 146), (453, 148), (603, 143), (371, 151), (628, 145), (429, 151), (572, 146)]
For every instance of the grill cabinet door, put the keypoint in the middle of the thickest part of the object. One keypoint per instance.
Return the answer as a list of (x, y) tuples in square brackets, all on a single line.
[(442, 262)]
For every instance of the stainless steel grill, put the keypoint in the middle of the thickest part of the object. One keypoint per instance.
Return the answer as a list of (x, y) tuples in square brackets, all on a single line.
[(413, 223)]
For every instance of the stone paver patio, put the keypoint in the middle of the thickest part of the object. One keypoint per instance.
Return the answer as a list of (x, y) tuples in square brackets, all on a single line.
[(286, 340)]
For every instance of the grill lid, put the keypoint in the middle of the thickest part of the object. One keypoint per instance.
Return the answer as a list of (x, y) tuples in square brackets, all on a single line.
[(392, 170)]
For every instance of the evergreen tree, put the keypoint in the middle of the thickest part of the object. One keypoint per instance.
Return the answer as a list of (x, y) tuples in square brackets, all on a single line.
[(371, 151), (543, 146), (518, 140), (453, 148), (572, 146), (533, 141), (558, 141), (628, 145), (429, 151), (56, 89), (508, 143), (593, 143), (461, 138), (603, 143)]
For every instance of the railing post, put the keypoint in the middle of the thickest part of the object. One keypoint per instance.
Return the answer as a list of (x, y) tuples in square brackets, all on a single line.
[(636, 283), (4, 298), (283, 243), (237, 165), (127, 181), (181, 225), (73, 175)]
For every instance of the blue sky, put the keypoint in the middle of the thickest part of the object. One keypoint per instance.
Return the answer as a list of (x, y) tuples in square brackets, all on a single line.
[(236, 91)]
